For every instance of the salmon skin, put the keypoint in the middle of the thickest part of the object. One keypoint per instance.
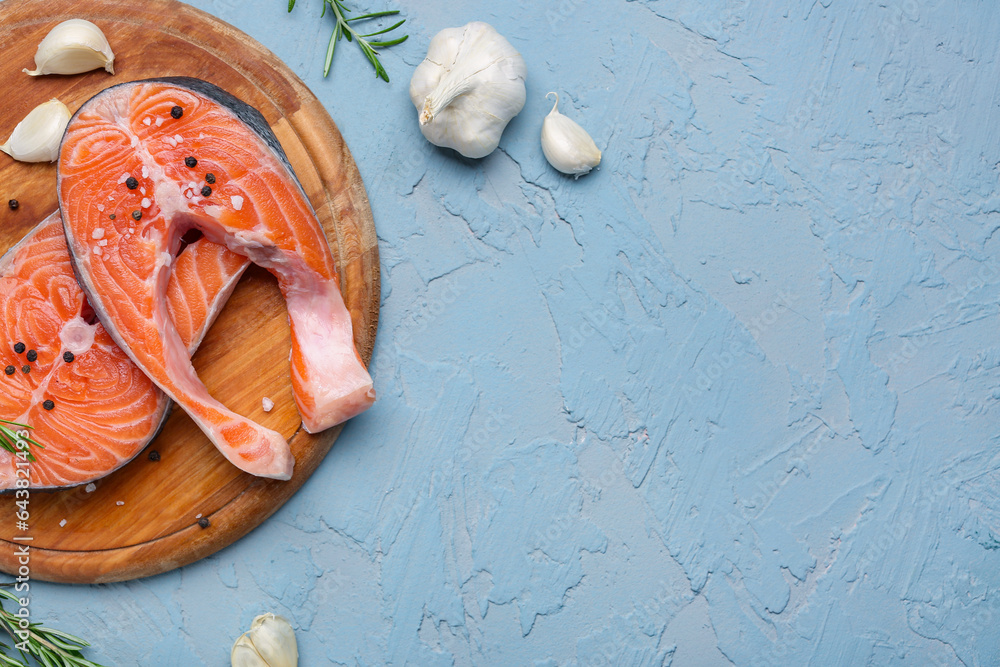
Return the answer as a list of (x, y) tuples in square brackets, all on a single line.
[(104, 409), (169, 155)]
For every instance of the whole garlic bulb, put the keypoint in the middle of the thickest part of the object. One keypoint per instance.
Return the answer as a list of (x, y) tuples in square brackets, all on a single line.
[(566, 145), (37, 137), (468, 88), (269, 643), (73, 47)]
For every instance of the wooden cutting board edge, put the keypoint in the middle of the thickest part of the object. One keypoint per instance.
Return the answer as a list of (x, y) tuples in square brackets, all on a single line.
[(359, 263)]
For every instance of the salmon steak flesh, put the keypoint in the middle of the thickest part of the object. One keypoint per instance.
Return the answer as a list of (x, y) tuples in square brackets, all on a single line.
[(143, 163)]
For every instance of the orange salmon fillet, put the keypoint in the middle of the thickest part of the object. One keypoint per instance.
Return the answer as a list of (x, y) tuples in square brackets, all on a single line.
[(144, 151), (104, 408)]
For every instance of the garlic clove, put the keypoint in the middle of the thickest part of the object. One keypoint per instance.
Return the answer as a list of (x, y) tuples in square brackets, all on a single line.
[(37, 137), (566, 145), (269, 643), (72, 47), (244, 654)]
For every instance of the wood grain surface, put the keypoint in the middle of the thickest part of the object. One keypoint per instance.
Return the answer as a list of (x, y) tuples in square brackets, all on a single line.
[(142, 520)]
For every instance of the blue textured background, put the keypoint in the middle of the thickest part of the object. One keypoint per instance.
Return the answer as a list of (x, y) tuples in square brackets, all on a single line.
[(731, 399)]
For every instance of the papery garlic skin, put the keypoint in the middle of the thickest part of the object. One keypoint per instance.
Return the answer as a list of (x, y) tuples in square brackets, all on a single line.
[(468, 88), (566, 145), (244, 654), (73, 47), (269, 643), (37, 137)]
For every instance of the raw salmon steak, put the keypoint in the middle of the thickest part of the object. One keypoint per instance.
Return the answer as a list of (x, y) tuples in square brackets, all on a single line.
[(169, 155), (90, 407)]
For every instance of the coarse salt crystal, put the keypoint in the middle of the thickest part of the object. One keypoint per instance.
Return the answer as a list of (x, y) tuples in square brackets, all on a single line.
[(178, 138), (267, 404), (102, 242), (172, 141), (198, 515), (100, 207), (134, 142), (120, 503), (147, 121), (62, 523), (122, 179), (145, 173), (145, 202), (90, 488), (97, 250), (237, 202), (142, 190), (97, 233), (159, 122)]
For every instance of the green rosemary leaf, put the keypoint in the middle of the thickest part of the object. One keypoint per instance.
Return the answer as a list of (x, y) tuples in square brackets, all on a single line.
[(385, 30), (374, 15), (343, 29), (46, 646), (393, 42), (9, 438), (334, 38)]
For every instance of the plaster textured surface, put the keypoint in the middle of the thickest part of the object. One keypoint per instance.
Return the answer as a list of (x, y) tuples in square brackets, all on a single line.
[(732, 399)]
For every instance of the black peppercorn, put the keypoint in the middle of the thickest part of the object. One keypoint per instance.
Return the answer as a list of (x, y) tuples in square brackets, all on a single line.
[(48, 405), (154, 456), (131, 183), (137, 215), (68, 357), (204, 523), (19, 348), (25, 369), (112, 216), (13, 203), (10, 370), (177, 112), (191, 162), (210, 178), (206, 191), (32, 355)]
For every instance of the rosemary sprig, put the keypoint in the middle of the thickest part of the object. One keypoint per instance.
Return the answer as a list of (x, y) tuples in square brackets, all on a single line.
[(48, 646), (344, 29), (8, 438)]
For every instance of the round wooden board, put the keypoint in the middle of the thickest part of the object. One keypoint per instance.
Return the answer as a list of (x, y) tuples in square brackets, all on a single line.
[(143, 519)]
